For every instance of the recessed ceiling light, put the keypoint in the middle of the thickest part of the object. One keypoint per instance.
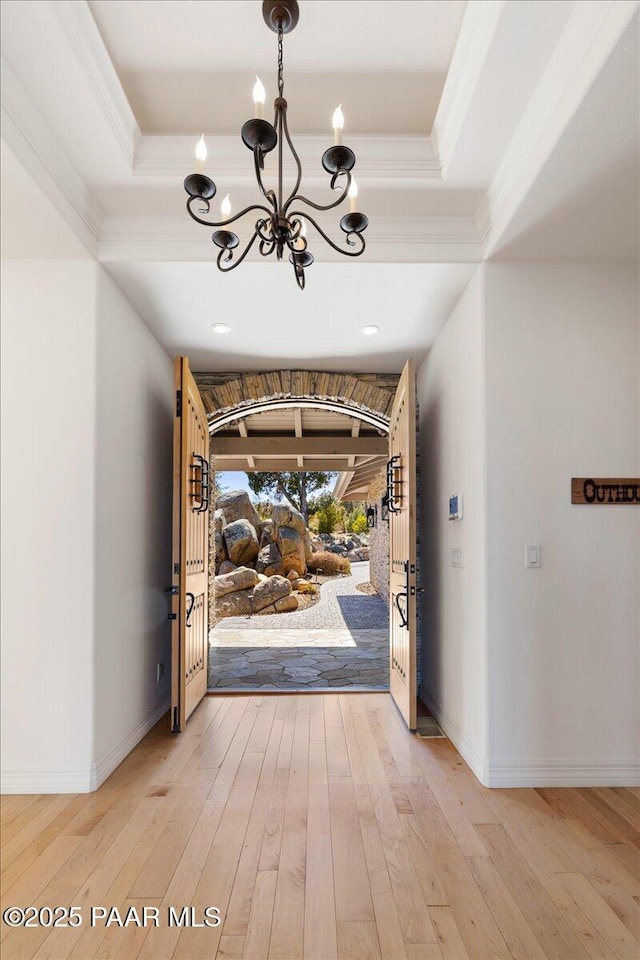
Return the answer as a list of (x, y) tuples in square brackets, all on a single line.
[(370, 330), (221, 328)]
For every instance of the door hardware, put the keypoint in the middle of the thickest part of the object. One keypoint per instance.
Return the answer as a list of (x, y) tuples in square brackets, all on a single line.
[(192, 604), (201, 478)]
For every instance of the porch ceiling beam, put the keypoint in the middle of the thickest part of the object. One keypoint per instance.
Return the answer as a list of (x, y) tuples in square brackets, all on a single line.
[(328, 465), (242, 430), (321, 446)]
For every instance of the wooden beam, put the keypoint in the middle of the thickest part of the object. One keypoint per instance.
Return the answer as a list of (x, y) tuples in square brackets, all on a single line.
[(355, 430), (297, 417), (242, 430), (265, 445), (325, 464)]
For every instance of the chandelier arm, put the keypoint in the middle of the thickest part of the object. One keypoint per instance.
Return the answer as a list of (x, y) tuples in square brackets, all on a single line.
[(297, 160), (269, 195), (345, 253), (236, 263), (222, 223), (318, 206)]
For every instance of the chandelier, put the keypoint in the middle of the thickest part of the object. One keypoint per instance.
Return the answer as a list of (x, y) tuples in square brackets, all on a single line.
[(282, 225)]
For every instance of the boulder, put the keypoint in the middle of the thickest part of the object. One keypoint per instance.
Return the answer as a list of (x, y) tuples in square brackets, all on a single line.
[(285, 604), (292, 548), (354, 556), (292, 575), (285, 516), (241, 541), (263, 578), (266, 594), (266, 533), (236, 604), (337, 548), (242, 578), (269, 561), (218, 521), (227, 567), (236, 505), (220, 550)]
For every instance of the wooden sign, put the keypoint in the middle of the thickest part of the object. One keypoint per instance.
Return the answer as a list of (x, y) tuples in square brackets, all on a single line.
[(605, 490)]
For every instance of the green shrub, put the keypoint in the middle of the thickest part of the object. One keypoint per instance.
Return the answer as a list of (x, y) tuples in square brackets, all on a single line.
[(328, 514), (311, 589), (359, 525), (329, 563)]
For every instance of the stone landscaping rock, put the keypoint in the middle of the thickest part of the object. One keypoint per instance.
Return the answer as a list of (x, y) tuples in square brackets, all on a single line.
[(241, 541), (237, 604), (218, 521), (269, 561), (286, 517), (286, 604), (267, 594), (220, 550), (292, 548), (242, 578), (227, 567), (236, 505), (292, 575), (266, 533)]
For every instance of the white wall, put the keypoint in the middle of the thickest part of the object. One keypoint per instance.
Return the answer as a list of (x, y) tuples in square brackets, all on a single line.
[(451, 402), (562, 350), (535, 674), (87, 415), (134, 421), (48, 535)]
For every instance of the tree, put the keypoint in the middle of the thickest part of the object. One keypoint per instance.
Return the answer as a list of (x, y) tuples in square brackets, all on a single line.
[(294, 487)]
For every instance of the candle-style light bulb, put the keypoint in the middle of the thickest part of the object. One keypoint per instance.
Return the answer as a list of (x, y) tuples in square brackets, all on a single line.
[(338, 124), (303, 232), (353, 195), (225, 208), (259, 95), (201, 154)]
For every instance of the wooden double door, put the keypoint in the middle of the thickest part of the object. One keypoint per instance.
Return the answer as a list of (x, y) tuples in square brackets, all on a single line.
[(191, 496)]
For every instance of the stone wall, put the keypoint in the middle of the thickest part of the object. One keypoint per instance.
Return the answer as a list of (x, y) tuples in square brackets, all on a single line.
[(379, 541)]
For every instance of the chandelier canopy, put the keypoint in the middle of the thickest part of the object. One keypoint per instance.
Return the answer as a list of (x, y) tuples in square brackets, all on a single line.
[(281, 225)]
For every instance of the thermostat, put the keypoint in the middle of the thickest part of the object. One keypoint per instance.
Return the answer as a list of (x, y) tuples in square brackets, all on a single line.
[(455, 507)]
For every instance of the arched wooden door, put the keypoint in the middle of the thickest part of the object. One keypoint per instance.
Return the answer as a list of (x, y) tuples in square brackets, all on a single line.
[(190, 561), (401, 477)]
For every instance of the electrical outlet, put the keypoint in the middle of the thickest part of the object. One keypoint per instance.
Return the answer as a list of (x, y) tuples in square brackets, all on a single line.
[(159, 671)]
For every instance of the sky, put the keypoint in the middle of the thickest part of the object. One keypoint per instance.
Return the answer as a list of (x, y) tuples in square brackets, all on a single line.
[(237, 480)]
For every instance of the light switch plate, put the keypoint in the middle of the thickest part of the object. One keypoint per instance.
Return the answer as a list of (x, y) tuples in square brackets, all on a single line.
[(457, 557), (532, 556)]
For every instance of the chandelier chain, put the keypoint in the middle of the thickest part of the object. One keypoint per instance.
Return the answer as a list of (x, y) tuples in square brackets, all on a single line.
[(280, 60)]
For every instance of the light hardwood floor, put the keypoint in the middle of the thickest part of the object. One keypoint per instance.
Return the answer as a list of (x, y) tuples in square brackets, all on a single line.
[(321, 828)]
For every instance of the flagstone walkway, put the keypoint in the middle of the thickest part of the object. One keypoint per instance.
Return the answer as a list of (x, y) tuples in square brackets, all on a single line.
[(342, 641)]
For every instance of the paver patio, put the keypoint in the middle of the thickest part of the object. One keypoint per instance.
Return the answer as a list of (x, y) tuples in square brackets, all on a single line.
[(342, 641)]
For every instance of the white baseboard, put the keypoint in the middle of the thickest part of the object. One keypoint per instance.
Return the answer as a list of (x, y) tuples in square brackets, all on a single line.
[(527, 772), (563, 773), (467, 749), (103, 768), (80, 778)]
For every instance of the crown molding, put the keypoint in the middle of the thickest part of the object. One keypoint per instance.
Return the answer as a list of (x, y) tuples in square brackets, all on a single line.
[(389, 158), (588, 40), (440, 240), (88, 47), (478, 28), (32, 141)]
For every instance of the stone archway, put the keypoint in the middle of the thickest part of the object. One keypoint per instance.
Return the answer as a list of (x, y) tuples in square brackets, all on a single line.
[(231, 396)]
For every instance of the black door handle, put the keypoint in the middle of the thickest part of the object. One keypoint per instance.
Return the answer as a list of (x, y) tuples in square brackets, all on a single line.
[(192, 603)]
